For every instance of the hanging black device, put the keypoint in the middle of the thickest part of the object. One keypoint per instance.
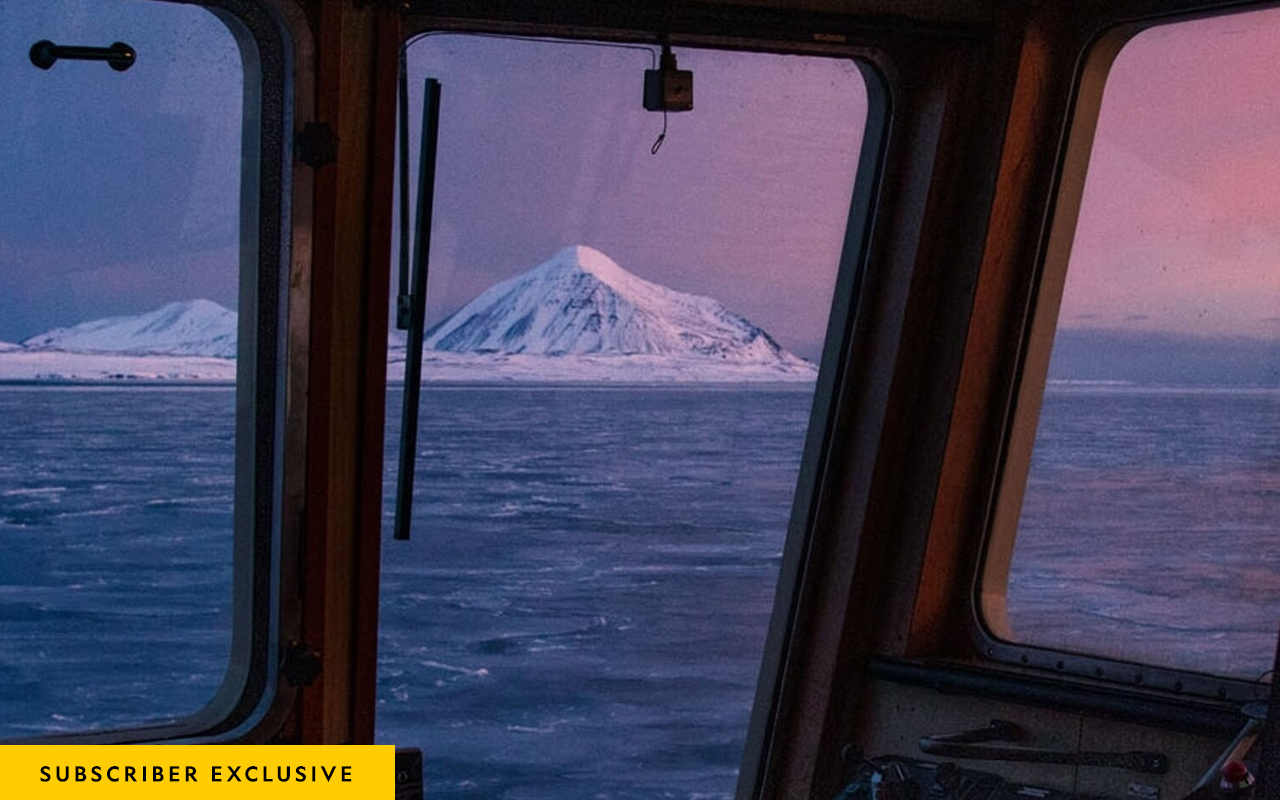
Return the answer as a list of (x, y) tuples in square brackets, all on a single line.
[(668, 88)]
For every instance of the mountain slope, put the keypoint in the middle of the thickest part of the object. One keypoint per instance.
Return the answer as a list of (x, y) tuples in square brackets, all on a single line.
[(580, 303), (191, 328)]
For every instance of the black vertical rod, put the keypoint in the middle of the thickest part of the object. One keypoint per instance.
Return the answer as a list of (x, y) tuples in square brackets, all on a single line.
[(418, 307), (403, 310)]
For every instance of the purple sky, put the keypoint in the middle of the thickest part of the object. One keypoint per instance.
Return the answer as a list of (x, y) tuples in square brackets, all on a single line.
[(544, 145), (123, 196), (120, 189)]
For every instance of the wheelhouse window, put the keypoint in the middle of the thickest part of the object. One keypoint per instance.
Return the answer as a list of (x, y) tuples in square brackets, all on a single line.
[(1138, 517), (623, 341), (137, 402)]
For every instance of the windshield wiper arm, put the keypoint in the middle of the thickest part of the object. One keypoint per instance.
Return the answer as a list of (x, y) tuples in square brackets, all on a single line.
[(417, 303)]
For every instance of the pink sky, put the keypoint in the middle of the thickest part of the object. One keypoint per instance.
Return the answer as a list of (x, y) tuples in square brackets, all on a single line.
[(1179, 230)]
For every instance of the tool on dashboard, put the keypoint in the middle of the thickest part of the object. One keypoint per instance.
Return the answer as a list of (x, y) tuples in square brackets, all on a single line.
[(900, 778), (977, 744)]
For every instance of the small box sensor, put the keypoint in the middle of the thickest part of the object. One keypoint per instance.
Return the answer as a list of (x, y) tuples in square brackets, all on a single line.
[(668, 88)]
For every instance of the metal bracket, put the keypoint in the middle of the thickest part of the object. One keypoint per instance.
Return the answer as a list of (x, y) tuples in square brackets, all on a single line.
[(301, 665), (316, 145)]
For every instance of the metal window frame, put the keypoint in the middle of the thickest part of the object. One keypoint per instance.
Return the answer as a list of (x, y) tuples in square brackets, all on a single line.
[(871, 61), (820, 440), (1101, 47), (270, 369)]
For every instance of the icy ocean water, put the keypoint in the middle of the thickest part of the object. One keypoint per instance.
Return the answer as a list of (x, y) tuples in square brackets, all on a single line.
[(1151, 528), (582, 608), (115, 578)]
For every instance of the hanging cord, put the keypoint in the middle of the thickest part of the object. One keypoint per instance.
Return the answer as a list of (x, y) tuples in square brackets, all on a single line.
[(653, 57), (1261, 685), (657, 144)]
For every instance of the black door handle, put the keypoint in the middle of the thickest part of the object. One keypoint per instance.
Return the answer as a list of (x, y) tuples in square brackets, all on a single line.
[(119, 56)]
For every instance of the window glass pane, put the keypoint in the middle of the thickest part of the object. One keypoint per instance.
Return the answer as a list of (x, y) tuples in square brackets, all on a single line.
[(1149, 519), (608, 456), (119, 273)]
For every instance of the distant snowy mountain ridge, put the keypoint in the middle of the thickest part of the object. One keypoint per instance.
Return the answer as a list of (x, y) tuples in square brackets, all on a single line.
[(582, 303), (576, 318), (191, 328)]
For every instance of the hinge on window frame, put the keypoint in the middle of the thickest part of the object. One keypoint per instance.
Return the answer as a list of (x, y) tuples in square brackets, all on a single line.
[(398, 5), (316, 144), (301, 665)]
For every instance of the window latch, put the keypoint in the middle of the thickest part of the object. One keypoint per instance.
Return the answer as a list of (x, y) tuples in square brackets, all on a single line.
[(975, 744)]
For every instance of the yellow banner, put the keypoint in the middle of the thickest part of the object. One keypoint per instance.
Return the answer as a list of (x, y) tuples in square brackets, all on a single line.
[(198, 771)]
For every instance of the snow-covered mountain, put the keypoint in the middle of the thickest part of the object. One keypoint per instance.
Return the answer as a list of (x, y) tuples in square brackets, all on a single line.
[(191, 328), (581, 306), (577, 317)]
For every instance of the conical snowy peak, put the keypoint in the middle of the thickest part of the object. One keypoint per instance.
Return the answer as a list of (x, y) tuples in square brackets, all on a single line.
[(191, 328), (582, 303), (583, 258)]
